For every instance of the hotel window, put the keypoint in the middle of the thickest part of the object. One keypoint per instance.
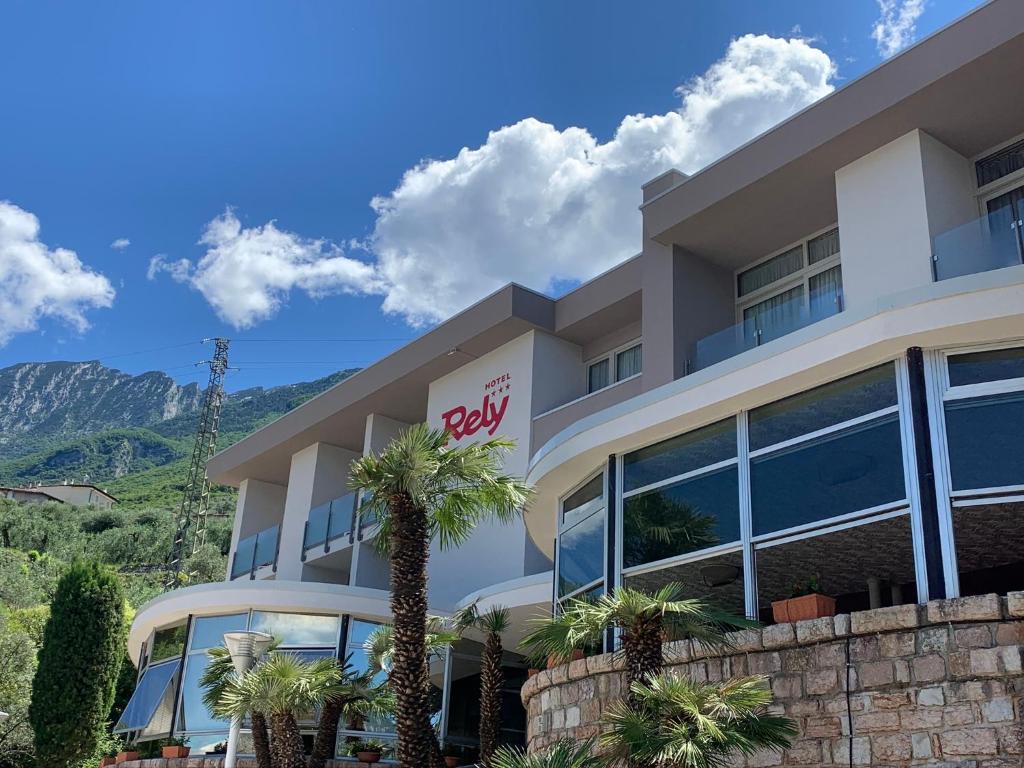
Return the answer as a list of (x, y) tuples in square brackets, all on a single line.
[(983, 421), (800, 285), (619, 364), (580, 555), (150, 709), (681, 516)]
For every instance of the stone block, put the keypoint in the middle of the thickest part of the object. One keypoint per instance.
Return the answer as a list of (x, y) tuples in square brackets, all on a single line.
[(931, 697), (891, 748), (885, 619), (921, 746), (578, 669), (958, 715), (764, 759), (929, 668), (829, 656), (600, 664), (959, 664), (822, 727), (1012, 658), (959, 609), (778, 636), (873, 674), (841, 625), (821, 682), (998, 710), (1010, 633), (572, 717), (1011, 739), (968, 741), (865, 649), (897, 644), (815, 630), (861, 751), (921, 719), (559, 674), (890, 700), (985, 662), (787, 686), (744, 640), (933, 639), (804, 752), (872, 722), (979, 636), (1015, 605), (765, 663)]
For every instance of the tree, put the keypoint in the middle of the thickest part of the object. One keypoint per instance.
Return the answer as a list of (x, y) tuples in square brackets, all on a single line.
[(492, 677), (420, 489), (356, 698), (18, 652), (214, 681), (79, 664), (282, 686), (565, 753), (646, 622), (674, 722)]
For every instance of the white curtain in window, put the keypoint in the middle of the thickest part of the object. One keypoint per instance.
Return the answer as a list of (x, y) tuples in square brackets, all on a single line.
[(627, 363), (598, 376), (774, 269), (826, 293), (775, 316), (823, 246)]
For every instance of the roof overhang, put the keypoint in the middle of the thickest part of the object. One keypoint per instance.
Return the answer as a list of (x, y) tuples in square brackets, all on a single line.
[(958, 85)]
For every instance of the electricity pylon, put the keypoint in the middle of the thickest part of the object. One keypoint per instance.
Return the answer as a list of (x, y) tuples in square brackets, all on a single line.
[(196, 498)]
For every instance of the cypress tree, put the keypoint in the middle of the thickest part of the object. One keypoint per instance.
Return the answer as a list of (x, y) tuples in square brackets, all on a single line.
[(79, 664)]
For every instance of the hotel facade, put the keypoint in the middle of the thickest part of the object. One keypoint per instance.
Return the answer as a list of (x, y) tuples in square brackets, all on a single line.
[(813, 370)]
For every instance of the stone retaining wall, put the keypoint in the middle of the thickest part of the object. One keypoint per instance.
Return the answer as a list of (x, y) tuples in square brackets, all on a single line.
[(217, 761), (936, 684)]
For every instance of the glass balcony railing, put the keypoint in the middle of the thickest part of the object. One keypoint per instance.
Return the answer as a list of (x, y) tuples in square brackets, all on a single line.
[(770, 320), (255, 551), (330, 521), (990, 242)]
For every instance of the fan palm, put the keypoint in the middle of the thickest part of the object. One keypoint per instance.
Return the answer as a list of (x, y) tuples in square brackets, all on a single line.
[(420, 489), (356, 697), (492, 678), (674, 722), (214, 680), (281, 686), (562, 754), (645, 621)]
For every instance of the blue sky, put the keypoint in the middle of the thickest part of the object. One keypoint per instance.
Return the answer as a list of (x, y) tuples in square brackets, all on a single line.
[(249, 139)]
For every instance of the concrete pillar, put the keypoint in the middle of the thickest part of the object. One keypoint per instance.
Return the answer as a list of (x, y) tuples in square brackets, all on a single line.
[(260, 505)]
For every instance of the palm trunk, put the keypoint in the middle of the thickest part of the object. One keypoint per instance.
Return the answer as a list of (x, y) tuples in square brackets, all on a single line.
[(642, 648), (326, 733), (260, 740), (288, 741), (492, 680), (409, 543)]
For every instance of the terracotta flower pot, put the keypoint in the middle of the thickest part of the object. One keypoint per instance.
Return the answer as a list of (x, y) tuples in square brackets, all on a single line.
[(452, 761), (105, 761), (173, 752), (813, 606), (553, 661), (368, 757), (123, 757), (531, 672)]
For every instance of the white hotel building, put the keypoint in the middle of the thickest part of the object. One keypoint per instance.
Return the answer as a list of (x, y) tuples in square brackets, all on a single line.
[(813, 367)]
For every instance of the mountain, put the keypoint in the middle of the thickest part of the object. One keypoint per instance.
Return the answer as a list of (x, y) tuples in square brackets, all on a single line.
[(130, 434)]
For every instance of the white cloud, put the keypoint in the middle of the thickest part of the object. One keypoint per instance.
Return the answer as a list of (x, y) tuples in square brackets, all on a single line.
[(537, 205), (248, 273), (120, 244), (37, 281), (533, 204), (897, 25)]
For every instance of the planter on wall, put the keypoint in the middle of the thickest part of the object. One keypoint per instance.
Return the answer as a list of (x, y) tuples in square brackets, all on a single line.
[(368, 757), (175, 751), (105, 761), (554, 661), (813, 606), (452, 762), (123, 757)]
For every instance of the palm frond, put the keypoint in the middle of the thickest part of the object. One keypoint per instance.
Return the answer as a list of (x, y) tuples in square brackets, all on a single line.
[(565, 753)]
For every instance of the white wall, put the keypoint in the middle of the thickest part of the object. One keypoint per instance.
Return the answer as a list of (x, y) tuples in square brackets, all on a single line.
[(949, 186), (883, 222), (559, 375)]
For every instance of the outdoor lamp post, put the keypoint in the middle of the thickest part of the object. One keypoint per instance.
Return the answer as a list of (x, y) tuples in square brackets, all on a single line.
[(245, 648)]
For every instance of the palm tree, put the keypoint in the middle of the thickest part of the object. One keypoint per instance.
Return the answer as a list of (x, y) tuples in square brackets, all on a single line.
[(214, 680), (282, 686), (645, 621), (674, 722), (566, 753), (492, 677), (356, 696), (419, 489)]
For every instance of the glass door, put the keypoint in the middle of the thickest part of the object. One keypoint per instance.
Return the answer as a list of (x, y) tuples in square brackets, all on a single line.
[(1006, 225)]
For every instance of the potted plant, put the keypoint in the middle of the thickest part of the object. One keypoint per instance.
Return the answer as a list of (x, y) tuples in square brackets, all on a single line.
[(366, 751), (106, 760), (174, 748), (452, 758), (554, 660), (806, 602)]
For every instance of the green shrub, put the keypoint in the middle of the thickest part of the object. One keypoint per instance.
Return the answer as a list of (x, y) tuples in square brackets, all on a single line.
[(79, 664)]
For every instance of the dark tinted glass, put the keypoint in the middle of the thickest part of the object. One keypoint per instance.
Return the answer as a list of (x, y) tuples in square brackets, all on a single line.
[(823, 406), (208, 631), (685, 517), (718, 580), (842, 472), (678, 455), (993, 365), (986, 441), (194, 716), (583, 501), (581, 554)]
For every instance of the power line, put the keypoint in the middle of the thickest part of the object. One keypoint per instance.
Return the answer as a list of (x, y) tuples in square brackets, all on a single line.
[(296, 341)]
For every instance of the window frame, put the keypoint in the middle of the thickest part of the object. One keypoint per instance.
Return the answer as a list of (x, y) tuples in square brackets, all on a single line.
[(999, 186), (560, 528), (799, 278), (611, 357)]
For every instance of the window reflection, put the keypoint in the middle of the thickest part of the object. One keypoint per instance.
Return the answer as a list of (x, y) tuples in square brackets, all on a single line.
[(986, 441), (991, 365), (208, 631), (168, 643), (193, 714), (718, 580), (581, 554), (297, 628), (679, 455)]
